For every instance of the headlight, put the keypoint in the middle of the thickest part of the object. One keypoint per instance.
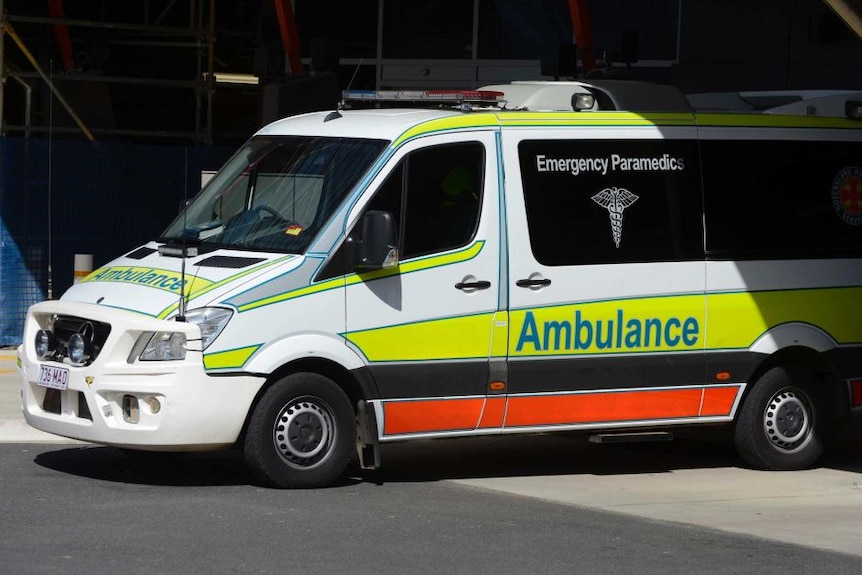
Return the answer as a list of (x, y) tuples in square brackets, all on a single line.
[(165, 346), (171, 345), (210, 320)]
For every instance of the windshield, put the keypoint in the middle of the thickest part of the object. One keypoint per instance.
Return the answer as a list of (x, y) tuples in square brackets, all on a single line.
[(276, 193)]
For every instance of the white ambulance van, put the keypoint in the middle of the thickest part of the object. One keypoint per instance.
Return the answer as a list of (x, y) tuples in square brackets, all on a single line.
[(535, 257)]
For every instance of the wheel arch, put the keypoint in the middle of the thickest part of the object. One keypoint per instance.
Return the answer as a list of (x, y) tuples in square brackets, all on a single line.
[(356, 384), (798, 344), (836, 396), (800, 356)]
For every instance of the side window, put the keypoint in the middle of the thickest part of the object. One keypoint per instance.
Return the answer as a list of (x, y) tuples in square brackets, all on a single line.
[(435, 195), (442, 186), (611, 201), (782, 199)]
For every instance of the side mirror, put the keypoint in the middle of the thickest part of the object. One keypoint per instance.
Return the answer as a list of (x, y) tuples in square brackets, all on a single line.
[(377, 247)]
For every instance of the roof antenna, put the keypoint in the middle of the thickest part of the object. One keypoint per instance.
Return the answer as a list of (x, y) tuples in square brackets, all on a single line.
[(336, 114), (50, 181)]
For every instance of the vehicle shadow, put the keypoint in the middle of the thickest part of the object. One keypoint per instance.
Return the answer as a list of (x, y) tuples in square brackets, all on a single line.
[(544, 455), (110, 464), (563, 454), (432, 460), (211, 469)]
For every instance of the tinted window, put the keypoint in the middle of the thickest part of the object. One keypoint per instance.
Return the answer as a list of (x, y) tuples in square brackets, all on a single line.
[(591, 202), (444, 186), (434, 194), (782, 199)]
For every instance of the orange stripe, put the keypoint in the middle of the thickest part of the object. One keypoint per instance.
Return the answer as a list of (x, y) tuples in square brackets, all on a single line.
[(431, 415), (495, 408), (718, 400), (602, 407)]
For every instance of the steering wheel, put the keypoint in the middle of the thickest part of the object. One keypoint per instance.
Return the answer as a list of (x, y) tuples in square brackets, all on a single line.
[(250, 221), (270, 211)]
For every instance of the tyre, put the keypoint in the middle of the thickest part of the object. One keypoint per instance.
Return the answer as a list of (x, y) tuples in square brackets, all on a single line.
[(301, 433), (782, 420)]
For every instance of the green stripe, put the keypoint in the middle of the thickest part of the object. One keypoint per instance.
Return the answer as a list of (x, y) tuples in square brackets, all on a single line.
[(435, 261), (773, 121), (192, 295), (229, 359)]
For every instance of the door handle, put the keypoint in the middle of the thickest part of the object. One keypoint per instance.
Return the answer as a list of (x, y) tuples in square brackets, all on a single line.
[(533, 282), (481, 284)]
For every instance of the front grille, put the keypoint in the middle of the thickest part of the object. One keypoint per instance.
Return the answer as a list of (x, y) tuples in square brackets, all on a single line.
[(83, 408), (52, 401), (66, 326)]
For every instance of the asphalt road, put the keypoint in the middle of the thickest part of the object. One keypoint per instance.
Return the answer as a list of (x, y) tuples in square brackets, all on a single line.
[(94, 510), (506, 504)]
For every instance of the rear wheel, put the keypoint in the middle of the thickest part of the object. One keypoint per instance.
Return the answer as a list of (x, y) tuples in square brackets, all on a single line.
[(782, 420), (301, 433)]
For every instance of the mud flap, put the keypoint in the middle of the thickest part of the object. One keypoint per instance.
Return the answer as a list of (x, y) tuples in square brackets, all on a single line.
[(367, 446)]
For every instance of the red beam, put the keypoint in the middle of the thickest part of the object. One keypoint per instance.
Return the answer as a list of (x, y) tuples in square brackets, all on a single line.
[(582, 26), (61, 35), (289, 35)]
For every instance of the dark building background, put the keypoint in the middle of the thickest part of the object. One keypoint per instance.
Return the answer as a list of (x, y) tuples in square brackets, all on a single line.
[(147, 116)]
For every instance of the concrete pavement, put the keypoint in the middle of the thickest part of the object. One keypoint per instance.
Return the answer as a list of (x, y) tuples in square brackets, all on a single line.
[(820, 508), (13, 428), (696, 484)]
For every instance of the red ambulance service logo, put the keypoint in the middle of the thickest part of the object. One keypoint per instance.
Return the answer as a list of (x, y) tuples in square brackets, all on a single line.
[(847, 195)]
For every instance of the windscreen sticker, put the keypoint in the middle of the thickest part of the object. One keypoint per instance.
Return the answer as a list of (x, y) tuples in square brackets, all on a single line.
[(847, 195), (615, 201), (293, 230)]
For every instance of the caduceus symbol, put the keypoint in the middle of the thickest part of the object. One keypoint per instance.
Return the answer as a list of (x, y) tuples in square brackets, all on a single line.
[(615, 200)]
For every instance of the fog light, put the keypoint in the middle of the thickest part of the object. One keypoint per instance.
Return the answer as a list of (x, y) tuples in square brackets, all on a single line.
[(46, 344), (131, 413), (155, 405)]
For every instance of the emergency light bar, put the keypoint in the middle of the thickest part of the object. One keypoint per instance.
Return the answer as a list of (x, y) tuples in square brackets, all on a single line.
[(464, 98)]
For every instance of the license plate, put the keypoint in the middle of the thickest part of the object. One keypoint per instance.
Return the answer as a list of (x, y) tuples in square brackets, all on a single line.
[(53, 377)]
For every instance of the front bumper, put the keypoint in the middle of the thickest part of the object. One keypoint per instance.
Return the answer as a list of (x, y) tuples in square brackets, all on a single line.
[(121, 401)]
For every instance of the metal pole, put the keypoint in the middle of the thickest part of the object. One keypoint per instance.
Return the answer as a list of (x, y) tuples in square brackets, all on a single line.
[(2, 65), (850, 11), (8, 28), (378, 67), (208, 135), (28, 104)]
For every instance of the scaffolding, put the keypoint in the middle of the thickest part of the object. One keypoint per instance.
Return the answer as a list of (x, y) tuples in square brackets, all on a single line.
[(198, 36)]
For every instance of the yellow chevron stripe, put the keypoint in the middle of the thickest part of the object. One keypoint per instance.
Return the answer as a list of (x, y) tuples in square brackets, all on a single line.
[(737, 320), (451, 338), (410, 266), (194, 293), (230, 359), (773, 121)]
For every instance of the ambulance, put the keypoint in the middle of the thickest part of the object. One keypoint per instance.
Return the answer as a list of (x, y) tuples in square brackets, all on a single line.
[(605, 257)]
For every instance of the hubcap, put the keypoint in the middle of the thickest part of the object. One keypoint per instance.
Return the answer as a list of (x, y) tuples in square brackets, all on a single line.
[(304, 432), (787, 419)]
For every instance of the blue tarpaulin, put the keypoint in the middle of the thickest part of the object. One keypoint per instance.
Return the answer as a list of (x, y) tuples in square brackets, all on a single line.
[(63, 198)]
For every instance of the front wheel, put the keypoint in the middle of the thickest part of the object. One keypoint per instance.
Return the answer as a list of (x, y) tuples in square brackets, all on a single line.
[(782, 420), (301, 433)]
